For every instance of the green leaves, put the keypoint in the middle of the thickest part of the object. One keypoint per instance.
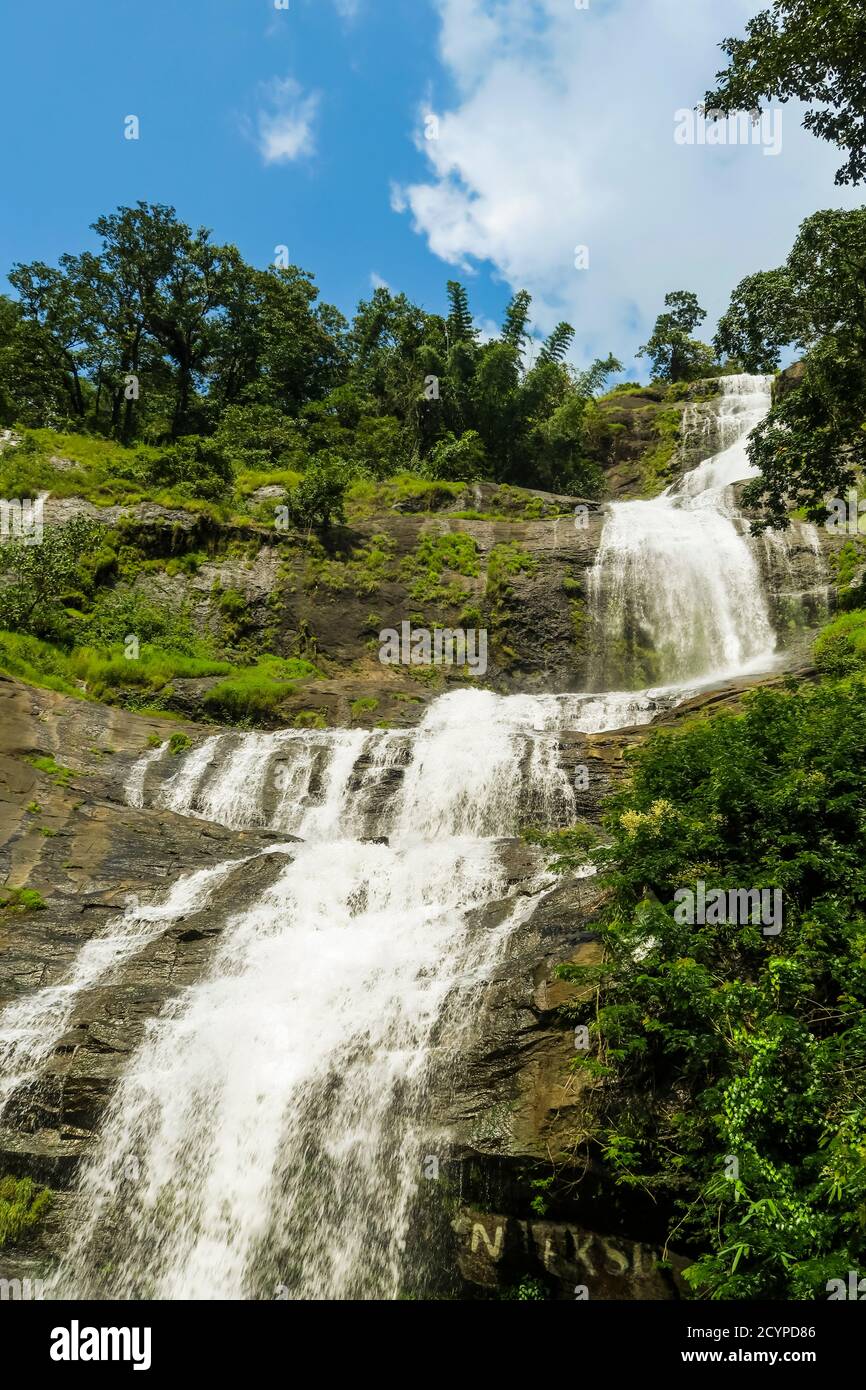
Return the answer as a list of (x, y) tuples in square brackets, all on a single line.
[(34, 577), (811, 50), (674, 354), (728, 1066)]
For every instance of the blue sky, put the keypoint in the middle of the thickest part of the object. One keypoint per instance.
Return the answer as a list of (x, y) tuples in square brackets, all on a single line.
[(306, 126)]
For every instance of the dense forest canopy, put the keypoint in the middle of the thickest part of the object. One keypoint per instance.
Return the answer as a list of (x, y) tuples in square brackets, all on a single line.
[(165, 334)]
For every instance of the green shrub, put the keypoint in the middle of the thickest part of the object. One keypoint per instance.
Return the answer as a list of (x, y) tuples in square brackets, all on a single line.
[(462, 459), (125, 612), (194, 466), (841, 647), (23, 1205), (255, 692), (714, 1042), (58, 774), (318, 500), (363, 706), (310, 719), (21, 900)]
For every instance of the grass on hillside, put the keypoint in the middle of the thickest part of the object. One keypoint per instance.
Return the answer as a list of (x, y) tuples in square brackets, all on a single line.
[(247, 692)]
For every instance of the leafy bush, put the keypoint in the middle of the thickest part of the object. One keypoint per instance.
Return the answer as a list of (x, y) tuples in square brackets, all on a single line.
[(318, 500), (714, 1043), (33, 578), (123, 612), (841, 647), (195, 465), (462, 459)]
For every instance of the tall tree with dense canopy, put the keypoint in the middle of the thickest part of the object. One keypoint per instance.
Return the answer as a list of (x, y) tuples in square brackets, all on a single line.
[(675, 355)]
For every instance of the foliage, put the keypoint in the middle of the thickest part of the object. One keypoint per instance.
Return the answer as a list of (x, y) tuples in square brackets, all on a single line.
[(21, 900), (714, 1043), (58, 774), (33, 577), (164, 339), (571, 847), (841, 647), (458, 460), (193, 467), (810, 50), (124, 612), (23, 1205), (675, 355), (531, 1290), (813, 440), (255, 692), (319, 498)]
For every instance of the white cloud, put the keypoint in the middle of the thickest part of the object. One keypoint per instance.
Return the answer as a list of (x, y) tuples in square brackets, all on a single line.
[(377, 283), (284, 122), (563, 135)]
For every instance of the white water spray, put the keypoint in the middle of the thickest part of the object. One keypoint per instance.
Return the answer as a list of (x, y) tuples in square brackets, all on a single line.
[(676, 588)]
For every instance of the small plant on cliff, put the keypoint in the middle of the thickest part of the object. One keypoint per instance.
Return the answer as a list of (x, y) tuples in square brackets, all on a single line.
[(21, 900), (22, 1206), (58, 774), (528, 1290)]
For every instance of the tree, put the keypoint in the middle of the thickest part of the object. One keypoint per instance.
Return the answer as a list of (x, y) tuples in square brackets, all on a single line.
[(759, 322), (515, 328), (273, 342), (318, 500), (54, 301), (812, 442), (462, 460), (810, 50), (674, 354), (460, 326), (594, 379), (558, 343), (35, 577), (34, 379)]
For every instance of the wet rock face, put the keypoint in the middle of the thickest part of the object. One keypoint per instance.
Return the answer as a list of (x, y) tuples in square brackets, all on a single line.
[(327, 599), (513, 1095), (496, 1252)]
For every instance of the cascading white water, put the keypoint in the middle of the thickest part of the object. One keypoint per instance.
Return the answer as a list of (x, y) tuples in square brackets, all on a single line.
[(676, 588), (269, 1132), (273, 1117), (272, 1120), (30, 1027)]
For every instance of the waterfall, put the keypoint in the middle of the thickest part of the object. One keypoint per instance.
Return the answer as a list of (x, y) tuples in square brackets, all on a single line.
[(31, 1027), (676, 590), (268, 1135)]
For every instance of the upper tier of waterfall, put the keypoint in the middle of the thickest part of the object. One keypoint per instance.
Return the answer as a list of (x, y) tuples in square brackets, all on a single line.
[(677, 590)]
